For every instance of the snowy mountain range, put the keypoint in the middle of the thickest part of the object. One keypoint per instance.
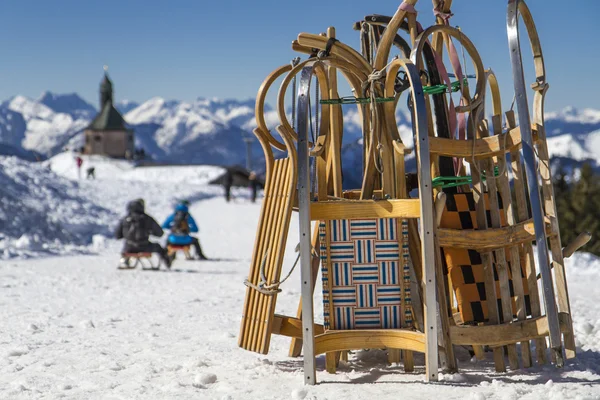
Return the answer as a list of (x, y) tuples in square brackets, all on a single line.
[(211, 131)]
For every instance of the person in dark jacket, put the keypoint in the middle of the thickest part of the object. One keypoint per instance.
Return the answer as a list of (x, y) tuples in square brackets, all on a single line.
[(136, 228), (227, 183), (90, 173), (181, 224), (253, 183)]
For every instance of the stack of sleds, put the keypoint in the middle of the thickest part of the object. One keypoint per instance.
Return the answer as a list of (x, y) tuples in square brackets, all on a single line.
[(388, 260)]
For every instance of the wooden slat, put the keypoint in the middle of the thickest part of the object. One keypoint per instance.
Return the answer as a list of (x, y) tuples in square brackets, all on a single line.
[(526, 252), (273, 273), (336, 129), (558, 264), (515, 260), (355, 194), (261, 333), (248, 316), (394, 356), (387, 159), (443, 301), (369, 170), (486, 256), (500, 254), (369, 339), (291, 327), (331, 361), (405, 208), (489, 239), (409, 360), (264, 242), (479, 352), (258, 324), (484, 147), (503, 334)]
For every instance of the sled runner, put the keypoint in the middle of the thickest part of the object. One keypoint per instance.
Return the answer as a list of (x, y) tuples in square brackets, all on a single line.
[(144, 260)]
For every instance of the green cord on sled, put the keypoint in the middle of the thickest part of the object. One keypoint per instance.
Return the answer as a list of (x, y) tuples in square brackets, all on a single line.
[(444, 182), (443, 88), (435, 89)]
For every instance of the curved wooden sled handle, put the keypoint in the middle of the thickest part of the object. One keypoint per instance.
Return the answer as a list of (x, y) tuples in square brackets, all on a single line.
[(581, 240), (576, 244)]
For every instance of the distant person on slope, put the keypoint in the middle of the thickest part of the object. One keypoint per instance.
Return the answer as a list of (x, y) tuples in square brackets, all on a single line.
[(90, 173), (79, 162), (181, 224), (253, 183), (136, 229), (227, 183)]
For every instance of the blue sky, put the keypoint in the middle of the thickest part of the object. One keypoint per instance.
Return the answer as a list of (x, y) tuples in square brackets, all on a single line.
[(223, 48)]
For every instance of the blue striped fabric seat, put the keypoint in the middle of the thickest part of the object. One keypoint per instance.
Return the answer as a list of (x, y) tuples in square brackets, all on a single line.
[(369, 274)]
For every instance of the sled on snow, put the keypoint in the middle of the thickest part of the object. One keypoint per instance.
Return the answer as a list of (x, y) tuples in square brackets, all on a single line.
[(172, 250), (145, 260), (388, 260)]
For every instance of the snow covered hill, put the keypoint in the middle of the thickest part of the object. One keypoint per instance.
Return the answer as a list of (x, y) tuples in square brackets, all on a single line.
[(573, 121), (41, 212), (211, 131), (18, 151), (46, 130), (204, 131), (124, 106), (12, 128), (70, 104)]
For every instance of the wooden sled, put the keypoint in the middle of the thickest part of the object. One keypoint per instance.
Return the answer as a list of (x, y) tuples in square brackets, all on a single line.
[(132, 260), (267, 258), (172, 250), (390, 202), (490, 255), (381, 303), (474, 262)]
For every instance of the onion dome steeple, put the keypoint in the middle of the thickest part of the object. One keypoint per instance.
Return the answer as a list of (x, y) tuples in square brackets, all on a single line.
[(108, 119), (106, 89)]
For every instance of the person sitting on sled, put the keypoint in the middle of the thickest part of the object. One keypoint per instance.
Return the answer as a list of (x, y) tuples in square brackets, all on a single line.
[(136, 229), (181, 224)]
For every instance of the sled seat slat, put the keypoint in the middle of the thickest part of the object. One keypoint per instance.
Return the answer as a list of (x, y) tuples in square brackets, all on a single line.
[(482, 148), (334, 210), (137, 255)]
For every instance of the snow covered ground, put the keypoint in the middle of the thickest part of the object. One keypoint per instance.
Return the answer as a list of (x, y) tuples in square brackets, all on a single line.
[(73, 326)]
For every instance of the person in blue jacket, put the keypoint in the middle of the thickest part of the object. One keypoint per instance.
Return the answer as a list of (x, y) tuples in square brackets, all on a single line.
[(181, 224)]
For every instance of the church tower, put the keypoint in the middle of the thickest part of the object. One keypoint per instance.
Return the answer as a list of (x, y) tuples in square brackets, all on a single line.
[(108, 134)]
